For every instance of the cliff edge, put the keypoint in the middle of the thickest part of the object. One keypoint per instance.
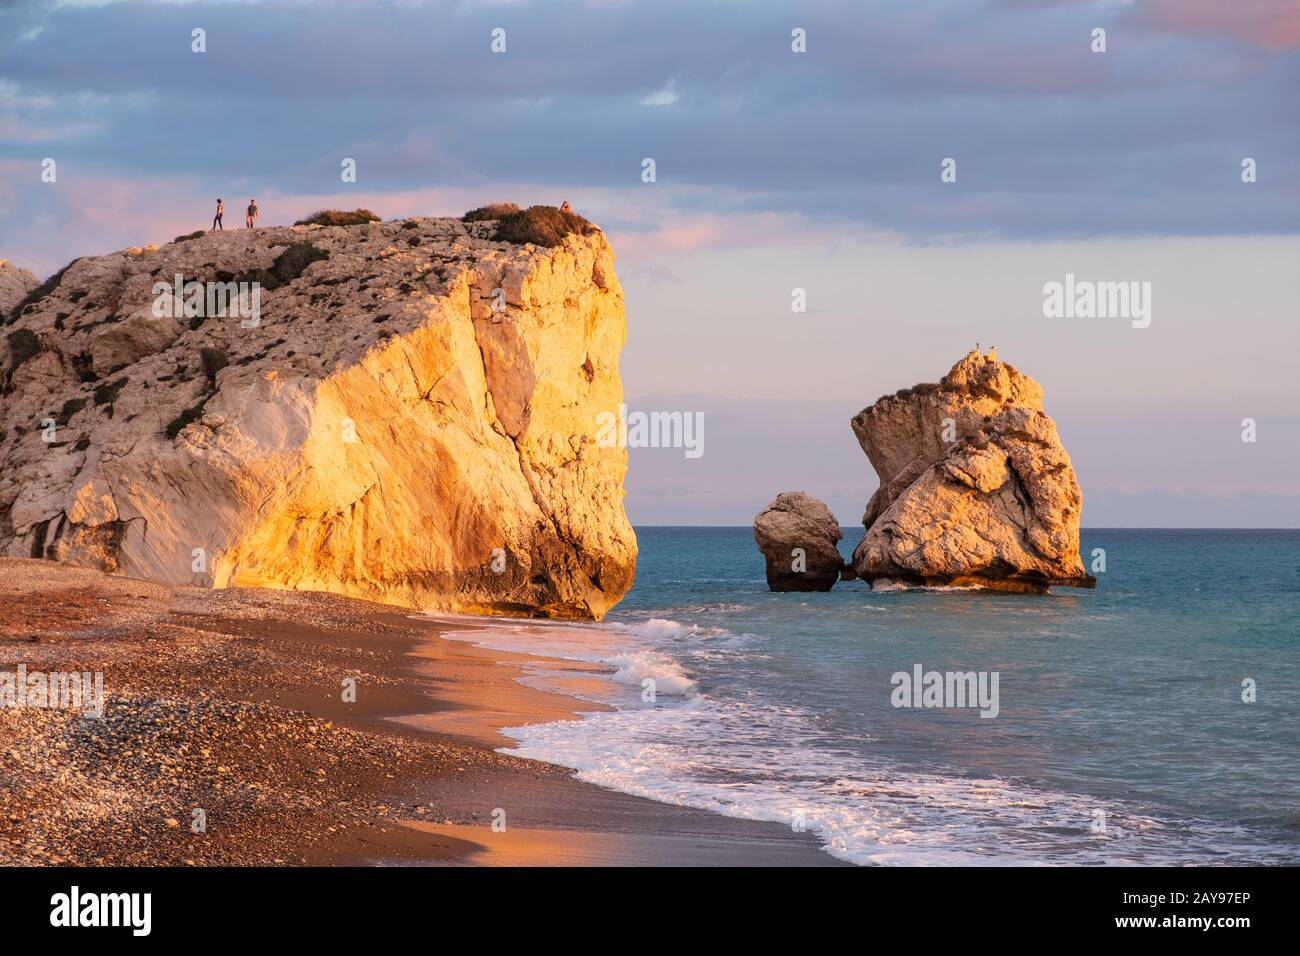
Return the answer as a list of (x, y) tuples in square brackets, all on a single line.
[(403, 411)]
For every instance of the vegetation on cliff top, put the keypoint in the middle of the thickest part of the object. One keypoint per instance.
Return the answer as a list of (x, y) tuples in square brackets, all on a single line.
[(339, 217), (542, 226), (493, 210), (287, 266)]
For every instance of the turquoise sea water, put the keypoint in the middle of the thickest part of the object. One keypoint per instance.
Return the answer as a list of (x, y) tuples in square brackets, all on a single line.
[(1121, 734)]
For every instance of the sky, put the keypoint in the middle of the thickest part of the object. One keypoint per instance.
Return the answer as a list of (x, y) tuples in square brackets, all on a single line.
[(775, 170)]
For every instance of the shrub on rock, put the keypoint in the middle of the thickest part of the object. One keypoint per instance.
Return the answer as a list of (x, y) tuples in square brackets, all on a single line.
[(542, 226), (494, 210), (214, 360), (339, 217), (23, 344)]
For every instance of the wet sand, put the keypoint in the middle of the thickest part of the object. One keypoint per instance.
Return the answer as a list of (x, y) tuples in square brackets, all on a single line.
[(232, 703)]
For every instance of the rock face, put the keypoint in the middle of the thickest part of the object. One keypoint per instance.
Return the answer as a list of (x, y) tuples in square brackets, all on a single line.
[(15, 283), (411, 419), (975, 488), (795, 523)]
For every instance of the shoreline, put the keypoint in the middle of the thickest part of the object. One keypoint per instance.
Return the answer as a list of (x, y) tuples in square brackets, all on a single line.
[(231, 703)]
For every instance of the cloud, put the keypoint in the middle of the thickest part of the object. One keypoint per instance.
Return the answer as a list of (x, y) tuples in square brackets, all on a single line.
[(46, 225), (91, 214), (664, 97), (15, 129), (1051, 140), (1268, 24)]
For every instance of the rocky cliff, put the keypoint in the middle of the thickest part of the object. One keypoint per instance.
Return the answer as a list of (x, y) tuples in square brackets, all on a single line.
[(15, 284), (410, 417), (975, 487)]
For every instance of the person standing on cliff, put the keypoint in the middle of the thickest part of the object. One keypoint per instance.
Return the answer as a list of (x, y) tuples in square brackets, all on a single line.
[(216, 220), (251, 219)]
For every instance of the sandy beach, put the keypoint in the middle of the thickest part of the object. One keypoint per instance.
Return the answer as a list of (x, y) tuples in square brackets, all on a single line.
[(226, 741)]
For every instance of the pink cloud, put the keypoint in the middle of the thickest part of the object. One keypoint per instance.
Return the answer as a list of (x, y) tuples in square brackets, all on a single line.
[(13, 128), (43, 226), (1271, 24), (47, 225), (661, 230)]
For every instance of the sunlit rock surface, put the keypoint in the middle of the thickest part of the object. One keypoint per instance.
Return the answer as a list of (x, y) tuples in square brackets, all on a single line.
[(975, 487), (382, 432)]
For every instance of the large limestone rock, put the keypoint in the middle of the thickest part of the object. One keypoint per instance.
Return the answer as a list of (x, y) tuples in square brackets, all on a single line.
[(975, 488), (798, 535), (15, 283), (383, 432)]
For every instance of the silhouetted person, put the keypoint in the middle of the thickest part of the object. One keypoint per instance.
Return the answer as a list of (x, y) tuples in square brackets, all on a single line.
[(221, 211), (251, 219)]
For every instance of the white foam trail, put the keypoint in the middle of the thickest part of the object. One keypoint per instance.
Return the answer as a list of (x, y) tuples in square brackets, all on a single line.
[(729, 761), (660, 629), (668, 676), (750, 758), (608, 645), (887, 586)]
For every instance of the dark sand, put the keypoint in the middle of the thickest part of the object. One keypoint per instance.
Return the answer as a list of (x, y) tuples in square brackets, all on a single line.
[(230, 701)]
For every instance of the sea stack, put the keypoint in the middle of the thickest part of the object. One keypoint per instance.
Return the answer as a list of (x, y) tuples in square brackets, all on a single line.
[(798, 535), (975, 488), (411, 418)]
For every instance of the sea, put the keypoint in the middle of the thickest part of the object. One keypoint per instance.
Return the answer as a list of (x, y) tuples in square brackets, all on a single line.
[(1154, 720)]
